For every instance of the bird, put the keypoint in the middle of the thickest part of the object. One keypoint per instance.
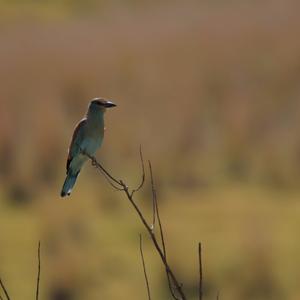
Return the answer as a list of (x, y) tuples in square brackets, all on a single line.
[(86, 140)]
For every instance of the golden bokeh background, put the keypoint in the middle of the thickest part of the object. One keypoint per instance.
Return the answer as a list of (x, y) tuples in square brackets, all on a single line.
[(211, 91)]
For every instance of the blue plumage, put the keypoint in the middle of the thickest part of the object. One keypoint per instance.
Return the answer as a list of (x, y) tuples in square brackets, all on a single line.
[(87, 138)]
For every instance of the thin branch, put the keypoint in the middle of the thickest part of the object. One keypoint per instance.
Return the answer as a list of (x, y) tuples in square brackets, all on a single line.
[(155, 242), (39, 272), (143, 174), (94, 162), (110, 181), (105, 173), (154, 201), (200, 271), (107, 179), (156, 210), (156, 213), (4, 289), (144, 268), (125, 188), (218, 295)]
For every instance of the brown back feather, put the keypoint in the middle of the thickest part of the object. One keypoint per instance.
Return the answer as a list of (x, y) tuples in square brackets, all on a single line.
[(76, 130)]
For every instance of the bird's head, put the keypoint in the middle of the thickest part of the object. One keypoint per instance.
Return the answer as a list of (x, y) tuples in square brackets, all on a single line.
[(98, 104)]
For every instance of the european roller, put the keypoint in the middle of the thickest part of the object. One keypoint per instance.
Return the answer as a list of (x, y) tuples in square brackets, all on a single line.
[(87, 138)]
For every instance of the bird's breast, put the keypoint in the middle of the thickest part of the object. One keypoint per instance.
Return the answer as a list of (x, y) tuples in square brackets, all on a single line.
[(91, 144)]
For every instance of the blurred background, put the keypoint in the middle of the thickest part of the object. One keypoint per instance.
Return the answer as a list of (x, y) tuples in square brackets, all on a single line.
[(211, 91)]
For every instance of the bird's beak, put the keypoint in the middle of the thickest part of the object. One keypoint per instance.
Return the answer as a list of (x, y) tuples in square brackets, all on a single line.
[(109, 104)]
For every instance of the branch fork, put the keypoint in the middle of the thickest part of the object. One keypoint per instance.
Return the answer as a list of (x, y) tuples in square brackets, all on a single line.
[(175, 287)]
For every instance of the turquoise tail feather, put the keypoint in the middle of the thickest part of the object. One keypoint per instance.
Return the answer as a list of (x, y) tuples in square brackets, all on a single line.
[(68, 184)]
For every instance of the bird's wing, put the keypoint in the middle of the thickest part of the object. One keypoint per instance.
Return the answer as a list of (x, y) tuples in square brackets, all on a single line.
[(74, 148)]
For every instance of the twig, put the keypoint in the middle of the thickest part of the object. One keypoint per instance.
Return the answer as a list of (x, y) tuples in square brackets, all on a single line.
[(105, 173), (155, 242), (4, 290), (39, 272), (144, 268), (156, 213), (125, 188), (200, 271), (110, 181), (154, 196), (37, 281), (143, 174), (154, 200)]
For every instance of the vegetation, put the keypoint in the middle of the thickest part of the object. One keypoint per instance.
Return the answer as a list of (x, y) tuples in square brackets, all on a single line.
[(211, 92)]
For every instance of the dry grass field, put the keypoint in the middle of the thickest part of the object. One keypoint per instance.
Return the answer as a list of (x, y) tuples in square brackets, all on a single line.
[(211, 91)]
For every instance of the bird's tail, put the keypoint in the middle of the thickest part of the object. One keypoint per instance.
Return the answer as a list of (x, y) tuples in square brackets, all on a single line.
[(68, 184)]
